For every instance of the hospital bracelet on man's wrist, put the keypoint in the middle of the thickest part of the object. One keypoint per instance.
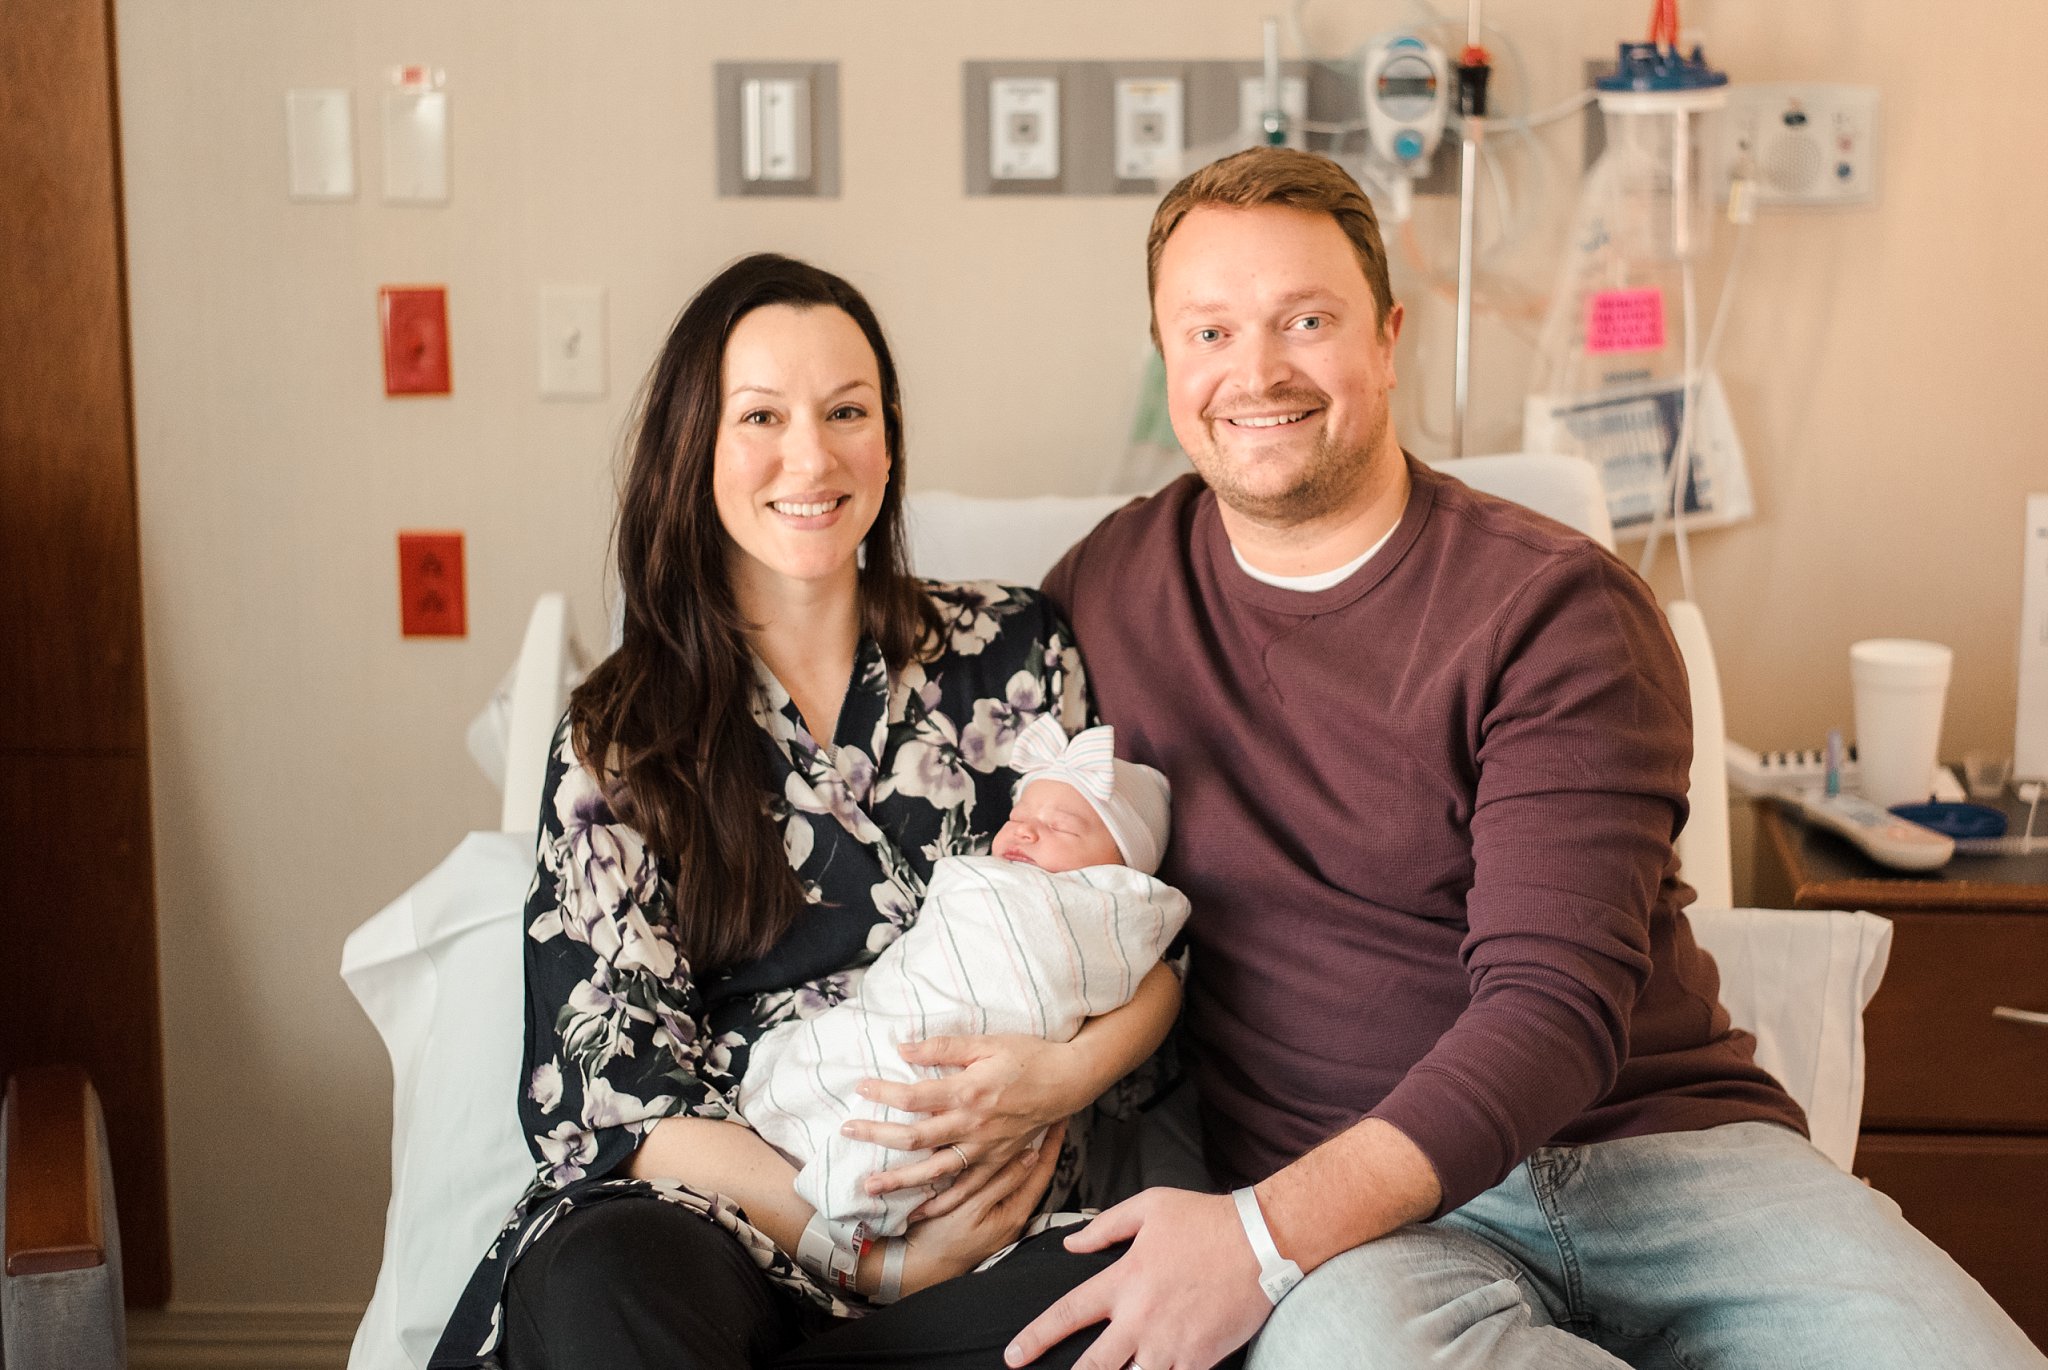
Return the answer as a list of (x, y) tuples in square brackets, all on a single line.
[(1277, 1274)]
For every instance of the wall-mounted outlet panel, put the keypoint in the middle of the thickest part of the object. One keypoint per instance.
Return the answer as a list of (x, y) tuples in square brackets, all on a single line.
[(1805, 144), (413, 321), (776, 126), (432, 598)]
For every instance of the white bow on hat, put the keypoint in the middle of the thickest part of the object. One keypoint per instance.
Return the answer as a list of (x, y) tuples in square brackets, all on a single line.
[(1132, 800), (1088, 762)]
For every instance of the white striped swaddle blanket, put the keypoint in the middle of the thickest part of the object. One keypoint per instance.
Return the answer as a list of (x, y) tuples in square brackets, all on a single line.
[(997, 947)]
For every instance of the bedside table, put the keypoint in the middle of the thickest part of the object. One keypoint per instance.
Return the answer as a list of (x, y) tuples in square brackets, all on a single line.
[(1955, 1106)]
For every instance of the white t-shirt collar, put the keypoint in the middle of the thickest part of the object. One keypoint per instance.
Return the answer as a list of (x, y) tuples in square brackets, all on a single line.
[(1321, 580)]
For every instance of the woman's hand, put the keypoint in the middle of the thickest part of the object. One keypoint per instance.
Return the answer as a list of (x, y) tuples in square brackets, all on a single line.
[(1006, 1088), (984, 1222), (1005, 1091)]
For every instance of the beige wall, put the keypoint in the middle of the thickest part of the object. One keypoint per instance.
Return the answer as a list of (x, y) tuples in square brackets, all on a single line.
[(1884, 367)]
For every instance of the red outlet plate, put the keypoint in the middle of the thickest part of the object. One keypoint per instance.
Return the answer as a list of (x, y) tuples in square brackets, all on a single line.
[(431, 601), (414, 319)]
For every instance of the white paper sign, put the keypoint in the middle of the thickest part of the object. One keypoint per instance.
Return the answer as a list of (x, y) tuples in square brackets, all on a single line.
[(2030, 736)]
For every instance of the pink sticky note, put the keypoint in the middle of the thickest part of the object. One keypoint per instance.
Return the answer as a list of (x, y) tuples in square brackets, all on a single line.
[(1625, 320)]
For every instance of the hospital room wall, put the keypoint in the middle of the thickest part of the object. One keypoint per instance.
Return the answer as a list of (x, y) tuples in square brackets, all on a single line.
[(308, 763)]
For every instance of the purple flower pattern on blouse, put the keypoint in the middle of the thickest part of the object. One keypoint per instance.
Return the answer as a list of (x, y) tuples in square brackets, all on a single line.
[(621, 1034)]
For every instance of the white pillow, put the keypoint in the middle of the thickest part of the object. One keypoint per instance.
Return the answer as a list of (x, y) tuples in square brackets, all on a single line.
[(439, 972)]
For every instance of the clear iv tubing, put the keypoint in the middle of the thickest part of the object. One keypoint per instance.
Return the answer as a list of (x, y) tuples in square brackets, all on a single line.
[(1681, 455), (1697, 363), (1694, 379), (1564, 109)]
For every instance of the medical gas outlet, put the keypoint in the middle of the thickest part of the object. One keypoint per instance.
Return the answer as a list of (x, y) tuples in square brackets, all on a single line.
[(1150, 114), (1024, 128)]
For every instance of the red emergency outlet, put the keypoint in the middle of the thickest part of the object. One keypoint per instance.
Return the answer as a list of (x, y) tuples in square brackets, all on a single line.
[(431, 601), (414, 320)]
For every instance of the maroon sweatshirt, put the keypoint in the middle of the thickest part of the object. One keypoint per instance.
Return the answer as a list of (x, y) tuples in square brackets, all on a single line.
[(1425, 819)]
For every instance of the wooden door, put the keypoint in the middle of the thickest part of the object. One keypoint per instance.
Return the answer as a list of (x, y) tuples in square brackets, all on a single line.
[(78, 937)]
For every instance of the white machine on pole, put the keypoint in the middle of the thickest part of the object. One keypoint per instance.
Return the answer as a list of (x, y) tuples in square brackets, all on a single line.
[(1406, 91)]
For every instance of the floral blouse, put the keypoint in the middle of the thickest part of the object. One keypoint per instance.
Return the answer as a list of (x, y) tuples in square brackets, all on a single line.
[(621, 1035)]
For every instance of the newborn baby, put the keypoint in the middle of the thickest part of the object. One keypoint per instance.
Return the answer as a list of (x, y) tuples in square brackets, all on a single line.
[(1058, 924)]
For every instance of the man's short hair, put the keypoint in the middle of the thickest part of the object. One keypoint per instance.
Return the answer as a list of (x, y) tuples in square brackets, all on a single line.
[(1276, 176)]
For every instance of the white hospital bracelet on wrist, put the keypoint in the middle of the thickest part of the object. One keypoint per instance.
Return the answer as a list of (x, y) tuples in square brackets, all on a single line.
[(830, 1251), (814, 1249), (892, 1270), (1277, 1274)]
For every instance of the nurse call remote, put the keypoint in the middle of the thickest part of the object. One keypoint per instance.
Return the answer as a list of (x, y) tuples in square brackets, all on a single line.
[(1888, 839)]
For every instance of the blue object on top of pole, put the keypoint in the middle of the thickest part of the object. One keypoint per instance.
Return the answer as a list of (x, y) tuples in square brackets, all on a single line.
[(1648, 67)]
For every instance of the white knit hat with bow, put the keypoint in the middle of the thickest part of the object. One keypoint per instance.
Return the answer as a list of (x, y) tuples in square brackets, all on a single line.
[(1133, 800)]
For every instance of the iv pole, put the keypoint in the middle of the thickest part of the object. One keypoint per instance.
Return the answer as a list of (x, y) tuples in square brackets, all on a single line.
[(1473, 70)]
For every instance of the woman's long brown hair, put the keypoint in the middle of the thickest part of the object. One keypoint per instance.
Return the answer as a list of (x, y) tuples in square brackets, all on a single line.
[(666, 722)]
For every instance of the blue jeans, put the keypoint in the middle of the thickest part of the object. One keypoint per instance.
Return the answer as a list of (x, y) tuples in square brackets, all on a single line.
[(1736, 1248)]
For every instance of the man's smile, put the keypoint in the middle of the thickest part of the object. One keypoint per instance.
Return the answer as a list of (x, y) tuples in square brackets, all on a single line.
[(1269, 420)]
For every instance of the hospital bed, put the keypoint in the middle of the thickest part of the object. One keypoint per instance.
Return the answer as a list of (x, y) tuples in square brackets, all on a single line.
[(439, 970)]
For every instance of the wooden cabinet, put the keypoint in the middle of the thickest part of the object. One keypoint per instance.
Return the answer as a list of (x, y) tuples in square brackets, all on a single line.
[(1955, 1108)]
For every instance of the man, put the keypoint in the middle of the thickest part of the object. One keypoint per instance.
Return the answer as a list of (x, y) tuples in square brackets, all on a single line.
[(1453, 1040)]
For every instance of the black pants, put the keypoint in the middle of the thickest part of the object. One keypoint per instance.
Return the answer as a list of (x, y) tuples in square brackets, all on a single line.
[(637, 1284)]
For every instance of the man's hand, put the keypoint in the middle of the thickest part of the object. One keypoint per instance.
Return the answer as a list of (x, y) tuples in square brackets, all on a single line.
[(1182, 1298)]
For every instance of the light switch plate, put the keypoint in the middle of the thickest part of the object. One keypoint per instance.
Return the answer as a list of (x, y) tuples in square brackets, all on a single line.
[(1024, 128), (1151, 121), (320, 143), (416, 147), (572, 341)]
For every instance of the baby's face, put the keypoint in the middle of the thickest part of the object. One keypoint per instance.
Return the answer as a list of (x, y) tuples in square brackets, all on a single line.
[(1055, 829)]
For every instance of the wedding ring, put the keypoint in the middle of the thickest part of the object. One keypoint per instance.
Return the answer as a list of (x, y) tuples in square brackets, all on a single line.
[(954, 1147)]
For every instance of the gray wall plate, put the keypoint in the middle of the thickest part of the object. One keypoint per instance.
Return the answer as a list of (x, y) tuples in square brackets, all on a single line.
[(1211, 115), (823, 181), (1084, 129)]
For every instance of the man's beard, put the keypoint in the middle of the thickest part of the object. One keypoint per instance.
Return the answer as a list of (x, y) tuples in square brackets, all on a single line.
[(1331, 476)]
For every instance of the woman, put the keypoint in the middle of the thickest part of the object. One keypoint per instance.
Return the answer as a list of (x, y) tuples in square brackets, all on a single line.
[(743, 805)]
